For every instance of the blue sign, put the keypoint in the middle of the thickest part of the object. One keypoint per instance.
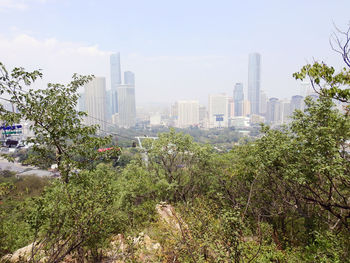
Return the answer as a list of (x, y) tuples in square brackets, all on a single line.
[(13, 127)]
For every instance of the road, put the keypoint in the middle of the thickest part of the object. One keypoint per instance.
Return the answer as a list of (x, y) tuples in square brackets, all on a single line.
[(22, 170)]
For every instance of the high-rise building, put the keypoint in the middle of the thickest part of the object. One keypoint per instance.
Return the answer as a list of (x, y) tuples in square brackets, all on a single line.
[(116, 80), (254, 82), (297, 103), (188, 113), (95, 101), (129, 78), (285, 111), (231, 107), (203, 116), (218, 111), (263, 103), (81, 102), (273, 111), (238, 97), (246, 108), (126, 106)]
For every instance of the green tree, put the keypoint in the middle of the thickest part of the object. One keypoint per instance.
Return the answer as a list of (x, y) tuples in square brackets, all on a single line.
[(325, 79), (182, 163), (56, 123)]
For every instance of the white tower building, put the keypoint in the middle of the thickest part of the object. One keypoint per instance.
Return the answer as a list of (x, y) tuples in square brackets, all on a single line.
[(126, 106), (218, 110), (188, 113), (95, 102)]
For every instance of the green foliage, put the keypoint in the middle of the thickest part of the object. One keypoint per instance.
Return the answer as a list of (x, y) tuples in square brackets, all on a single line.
[(15, 203), (140, 191), (326, 80), (56, 123), (182, 163), (79, 215), (327, 247), (206, 234)]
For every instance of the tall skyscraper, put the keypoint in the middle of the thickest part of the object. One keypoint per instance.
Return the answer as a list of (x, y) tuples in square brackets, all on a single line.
[(254, 82), (188, 113), (95, 101), (218, 111), (238, 97), (129, 78), (126, 106), (116, 80)]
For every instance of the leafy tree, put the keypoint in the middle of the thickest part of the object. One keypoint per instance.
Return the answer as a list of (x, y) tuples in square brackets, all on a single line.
[(184, 164), (324, 79), (76, 218), (56, 123)]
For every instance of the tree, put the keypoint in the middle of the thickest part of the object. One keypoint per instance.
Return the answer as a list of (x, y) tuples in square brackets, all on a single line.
[(77, 212), (182, 163), (324, 79), (56, 123)]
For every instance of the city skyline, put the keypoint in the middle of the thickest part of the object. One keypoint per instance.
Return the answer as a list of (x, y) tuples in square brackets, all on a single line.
[(176, 52)]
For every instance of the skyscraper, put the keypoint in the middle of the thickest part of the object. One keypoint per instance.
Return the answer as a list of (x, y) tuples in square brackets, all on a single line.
[(254, 82), (218, 111), (263, 103), (116, 80), (126, 106), (95, 101), (129, 78), (273, 111), (297, 103), (238, 97), (188, 113)]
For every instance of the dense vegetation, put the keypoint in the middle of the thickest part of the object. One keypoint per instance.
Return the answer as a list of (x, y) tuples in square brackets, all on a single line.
[(284, 197), (224, 139)]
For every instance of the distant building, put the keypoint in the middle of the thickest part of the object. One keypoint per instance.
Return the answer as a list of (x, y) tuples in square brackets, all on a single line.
[(263, 103), (273, 111), (218, 111), (285, 111), (246, 108), (231, 107), (126, 106), (116, 80), (203, 116), (81, 102), (155, 119), (129, 78), (256, 119), (254, 82), (95, 101), (296, 103), (188, 113), (238, 97), (115, 119), (239, 122)]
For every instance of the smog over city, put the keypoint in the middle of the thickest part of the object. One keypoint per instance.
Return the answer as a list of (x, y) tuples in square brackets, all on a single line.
[(174, 131)]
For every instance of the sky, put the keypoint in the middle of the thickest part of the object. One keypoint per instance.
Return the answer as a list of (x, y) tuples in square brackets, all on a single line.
[(183, 49)]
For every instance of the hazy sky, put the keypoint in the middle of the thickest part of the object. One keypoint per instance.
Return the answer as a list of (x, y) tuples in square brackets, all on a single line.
[(183, 49)]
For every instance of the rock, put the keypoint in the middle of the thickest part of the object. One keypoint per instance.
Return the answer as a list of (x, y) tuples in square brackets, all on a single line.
[(21, 255), (168, 215)]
